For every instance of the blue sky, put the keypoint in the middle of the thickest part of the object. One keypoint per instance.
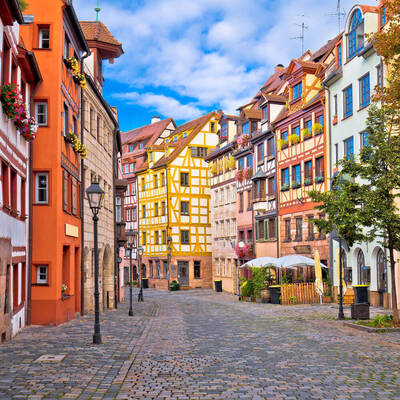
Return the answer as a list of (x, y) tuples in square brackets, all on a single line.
[(184, 58)]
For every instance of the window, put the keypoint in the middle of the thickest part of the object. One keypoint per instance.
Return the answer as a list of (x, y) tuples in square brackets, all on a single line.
[(307, 125), (349, 147), (271, 147), (23, 197), (321, 233), (74, 195), (382, 271), (379, 75), (184, 208), (285, 177), (197, 274), (67, 45), (156, 237), (151, 268), (270, 229), (288, 237), (184, 237), (259, 225), (155, 181), (246, 128), (356, 34), (41, 113), (364, 91), (156, 209), (307, 171), (143, 211), (66, 119), (249, 199), (196, 151), (335, 105), (131, 167), (126, 168), (297, 90), (42, 188), (310, 228), (320, 119), (118, 209), (364, 271), (339, 54), (5, 62), (284, 136), (163, 208), (259, 189), (348, 101), (299, 229), (158, 269), (141, 145), (134, 214), (241, 235), (336, 153), (319, 167), (128, 215), (271, 186), (13, 191), (212, 127), (184, 178), (296, 131), (144, 238), (265, 112), (44, 38), (224, 130), (164, 237), (363, 139), (296, 175), (260, 153), (162, 179), (383, 16), (241, 202), (42, 274), (143, 185), (241, 163), (131, 147), (98, 129)]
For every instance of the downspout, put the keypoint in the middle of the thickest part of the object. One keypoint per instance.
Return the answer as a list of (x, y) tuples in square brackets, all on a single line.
[(330, 175), (168, 244), (30, 220), (82, 193), (116, 255)]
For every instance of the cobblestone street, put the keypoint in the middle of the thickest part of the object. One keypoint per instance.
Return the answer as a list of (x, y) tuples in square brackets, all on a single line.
[(203, 345)]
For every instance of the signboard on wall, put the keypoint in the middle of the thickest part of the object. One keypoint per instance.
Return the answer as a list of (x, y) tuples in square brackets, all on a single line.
[(303, 249)]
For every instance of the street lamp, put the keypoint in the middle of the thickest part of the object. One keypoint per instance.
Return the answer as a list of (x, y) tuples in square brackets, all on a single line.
[(130, 234), (140, 253), (95, 196)]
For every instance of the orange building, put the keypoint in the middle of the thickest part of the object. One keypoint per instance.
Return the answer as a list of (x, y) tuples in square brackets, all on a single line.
[(53, 33)]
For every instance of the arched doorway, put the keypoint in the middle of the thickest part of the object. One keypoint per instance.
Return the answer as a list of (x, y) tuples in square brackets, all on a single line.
[(108, 278), (382, 271), (363, 271), (348, 273)]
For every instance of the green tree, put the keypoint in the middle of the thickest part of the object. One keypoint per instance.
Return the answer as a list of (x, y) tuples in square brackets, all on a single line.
[(364, 201), (23, 5)]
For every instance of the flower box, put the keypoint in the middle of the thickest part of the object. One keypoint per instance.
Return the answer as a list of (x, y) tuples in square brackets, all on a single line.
[(243, 140), (306, 134), (296, 185), (294, 139), (247, 173), (319, 179), (239, 175), (282, 143), (317, 128), (307, 181), (77, 146), (334, 120), (284, 188)]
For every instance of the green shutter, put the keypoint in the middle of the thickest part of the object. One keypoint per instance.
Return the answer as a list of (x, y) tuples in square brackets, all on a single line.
[(266, 233), (256, 228)]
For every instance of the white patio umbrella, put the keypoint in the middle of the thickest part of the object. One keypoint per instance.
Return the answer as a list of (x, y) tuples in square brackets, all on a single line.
[(297, 261), (261, 262)]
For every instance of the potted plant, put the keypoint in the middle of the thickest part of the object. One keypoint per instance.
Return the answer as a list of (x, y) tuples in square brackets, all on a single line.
[(306, 133), (319, 179), (317, 128), (282, 143), (247, 173), (307, 181), (247, 289), (174, 286), (296, 185), (284, 187), (294, 138), (64, 288), (239, 175)]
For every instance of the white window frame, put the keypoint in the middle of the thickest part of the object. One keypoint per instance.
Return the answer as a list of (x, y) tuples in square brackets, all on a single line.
[(37, 104), (37, 176), (39, 280), (41, 38)]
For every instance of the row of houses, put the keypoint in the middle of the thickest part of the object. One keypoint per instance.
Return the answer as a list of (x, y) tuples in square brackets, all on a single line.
[(209, 195), (57, 135)]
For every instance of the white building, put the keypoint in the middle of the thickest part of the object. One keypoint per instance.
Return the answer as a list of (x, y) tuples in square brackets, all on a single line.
[(350, 82), (19, 66)]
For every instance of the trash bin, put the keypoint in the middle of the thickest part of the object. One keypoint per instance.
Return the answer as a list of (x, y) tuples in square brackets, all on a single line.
[(145, 283), (360, 294), (218, 286), (275, 291)]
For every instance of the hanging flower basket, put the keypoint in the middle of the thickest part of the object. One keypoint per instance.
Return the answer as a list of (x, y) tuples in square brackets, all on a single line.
[(15, 109), (239, 175), (243, 140), (73, 65), (77, 146)]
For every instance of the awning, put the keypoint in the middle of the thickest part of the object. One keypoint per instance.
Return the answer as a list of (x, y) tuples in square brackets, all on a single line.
[(289, 262)]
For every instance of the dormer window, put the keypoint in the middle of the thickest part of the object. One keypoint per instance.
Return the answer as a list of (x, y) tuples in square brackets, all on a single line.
[(246, 128), (355, 37), (297, 90), (265, 113), (224, 130)]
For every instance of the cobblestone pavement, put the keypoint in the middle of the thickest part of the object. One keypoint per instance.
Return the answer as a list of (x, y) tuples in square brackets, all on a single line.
[(203, 345)]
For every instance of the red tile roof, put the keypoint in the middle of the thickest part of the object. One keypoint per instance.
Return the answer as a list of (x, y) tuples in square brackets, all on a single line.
[(372, 9), (96, 30), (151, 131)]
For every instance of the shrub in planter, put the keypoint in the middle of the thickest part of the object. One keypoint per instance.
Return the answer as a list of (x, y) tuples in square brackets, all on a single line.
[(306, 133), (174, 285), (317, 128), (294, 138), (282, 143)]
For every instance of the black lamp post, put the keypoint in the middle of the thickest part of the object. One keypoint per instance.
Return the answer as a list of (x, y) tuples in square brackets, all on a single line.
[(95, 195), (140, 253), (131, 235), (342, 243)]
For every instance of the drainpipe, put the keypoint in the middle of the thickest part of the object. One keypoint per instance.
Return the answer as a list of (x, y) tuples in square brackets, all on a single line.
[(169, 244), (330, 175), (82, 192), (30, 220), (116, 255)]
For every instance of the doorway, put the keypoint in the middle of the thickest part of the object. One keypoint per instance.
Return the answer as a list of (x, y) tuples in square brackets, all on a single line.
[(183, 271)]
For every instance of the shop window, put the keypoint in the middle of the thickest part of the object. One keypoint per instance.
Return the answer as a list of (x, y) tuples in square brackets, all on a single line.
[(197, 270)]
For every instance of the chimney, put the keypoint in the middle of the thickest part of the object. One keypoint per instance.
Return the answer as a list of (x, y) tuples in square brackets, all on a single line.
[(156, 118), (279, 67)]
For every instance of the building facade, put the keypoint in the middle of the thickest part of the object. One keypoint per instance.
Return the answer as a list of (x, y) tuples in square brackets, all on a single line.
[(19, 66), (351, 80), (223, 206), (53, 33), (174, 206), (103, 143)]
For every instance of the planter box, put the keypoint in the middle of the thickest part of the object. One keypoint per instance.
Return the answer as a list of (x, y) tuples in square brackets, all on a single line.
[(360, 311), (369, 328)]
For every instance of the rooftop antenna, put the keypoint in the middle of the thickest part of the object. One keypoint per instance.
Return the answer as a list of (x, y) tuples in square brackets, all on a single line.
[(303, 27), (97, 9), (339, 14)]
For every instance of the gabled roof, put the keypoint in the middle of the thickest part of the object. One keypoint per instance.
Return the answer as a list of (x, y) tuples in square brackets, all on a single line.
[(151, 131), (372, 9), (252, 113), (325, 48), (196, 126)]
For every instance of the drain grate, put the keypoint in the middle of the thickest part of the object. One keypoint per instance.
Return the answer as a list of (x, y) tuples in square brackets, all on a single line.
[(51, 358)]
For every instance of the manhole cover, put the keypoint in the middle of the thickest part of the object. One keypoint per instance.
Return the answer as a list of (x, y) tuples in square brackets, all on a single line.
[(51, 358)]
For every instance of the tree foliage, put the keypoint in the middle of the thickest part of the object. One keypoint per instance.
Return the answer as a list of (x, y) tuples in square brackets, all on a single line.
[(23, 5)]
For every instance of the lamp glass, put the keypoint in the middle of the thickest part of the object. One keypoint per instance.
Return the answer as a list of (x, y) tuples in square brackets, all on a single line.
[(140, 250), (95, 196), (130, 235)]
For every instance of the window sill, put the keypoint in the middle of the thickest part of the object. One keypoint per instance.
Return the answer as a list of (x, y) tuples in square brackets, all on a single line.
[(40, 284), (65, 297), (363, 107), (347, 116), (40, 48), (270, 158), (40, 204)]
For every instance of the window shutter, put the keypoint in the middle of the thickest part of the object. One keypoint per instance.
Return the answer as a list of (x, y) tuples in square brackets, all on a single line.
[(193, 151), (256, 228), (74, 197), (65, 190)]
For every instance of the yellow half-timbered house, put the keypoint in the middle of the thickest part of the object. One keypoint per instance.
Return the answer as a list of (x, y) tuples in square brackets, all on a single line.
[(174, 206)]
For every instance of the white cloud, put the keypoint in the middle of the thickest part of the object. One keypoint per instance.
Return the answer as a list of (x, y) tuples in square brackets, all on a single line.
[(217, 52)]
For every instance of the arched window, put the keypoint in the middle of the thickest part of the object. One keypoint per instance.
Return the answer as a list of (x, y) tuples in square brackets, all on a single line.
[(348, 273), (364, 272), (382, 271), (355, 39)]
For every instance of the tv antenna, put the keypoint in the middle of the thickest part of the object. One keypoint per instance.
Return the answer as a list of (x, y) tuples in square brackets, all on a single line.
[(303, 27), (97, 9), (339, 14)]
